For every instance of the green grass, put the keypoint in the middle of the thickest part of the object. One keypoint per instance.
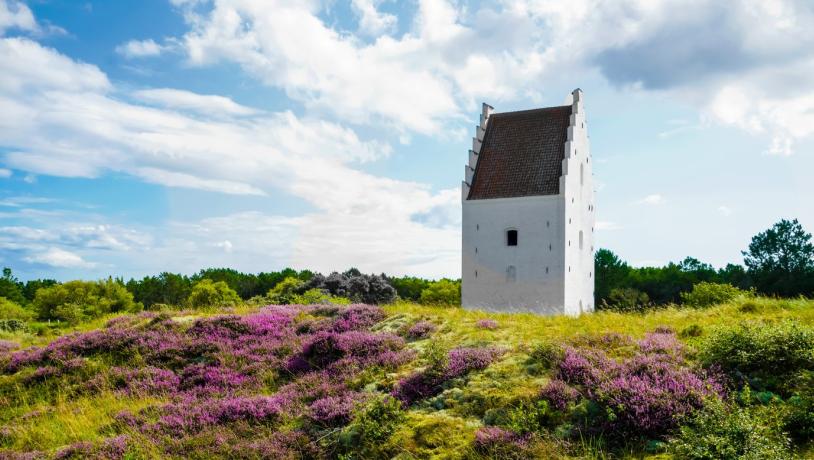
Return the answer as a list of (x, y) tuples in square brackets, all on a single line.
[(43, 417)]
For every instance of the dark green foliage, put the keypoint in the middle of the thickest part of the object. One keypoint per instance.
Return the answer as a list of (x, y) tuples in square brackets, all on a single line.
[(372, 425), (12, 325), (546, 354), (174, 289), (799, 421), (625, 300), (693, 330), (166, 288), (611, 272), (409, 287), (11, 288), (781, 260), (526, 417), (724, 432), (767, 356)]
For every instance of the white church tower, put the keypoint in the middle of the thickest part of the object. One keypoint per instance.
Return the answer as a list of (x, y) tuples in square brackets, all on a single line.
[(528, 212)]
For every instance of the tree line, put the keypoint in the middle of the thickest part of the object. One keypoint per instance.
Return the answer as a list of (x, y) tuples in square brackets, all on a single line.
[(778, 262)]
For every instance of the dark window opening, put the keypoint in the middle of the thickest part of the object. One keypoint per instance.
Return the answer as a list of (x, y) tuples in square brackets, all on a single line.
[(511, 238)]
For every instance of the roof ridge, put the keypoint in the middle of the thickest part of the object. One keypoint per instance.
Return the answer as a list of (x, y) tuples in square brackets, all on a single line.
[(522, 112)]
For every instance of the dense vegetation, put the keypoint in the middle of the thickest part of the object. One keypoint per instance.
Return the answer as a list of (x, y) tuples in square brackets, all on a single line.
[(410, 381)]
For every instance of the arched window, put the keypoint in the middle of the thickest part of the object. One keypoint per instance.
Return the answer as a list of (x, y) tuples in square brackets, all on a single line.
[(511, 238)]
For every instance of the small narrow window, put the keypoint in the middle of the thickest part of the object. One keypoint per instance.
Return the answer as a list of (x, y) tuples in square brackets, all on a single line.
[(476, 273), (581, 174), (476, 250), (547, 223), (546, 269), (569, 220), (511, 273), (549, 246), (569, 269), (477, 227), (511, 238), (580, 240)]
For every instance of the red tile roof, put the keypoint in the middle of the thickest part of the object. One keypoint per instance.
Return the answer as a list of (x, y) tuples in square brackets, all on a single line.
[(522, 154)]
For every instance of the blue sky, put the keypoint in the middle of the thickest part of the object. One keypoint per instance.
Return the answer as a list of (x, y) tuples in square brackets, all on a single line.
[(144, 136)]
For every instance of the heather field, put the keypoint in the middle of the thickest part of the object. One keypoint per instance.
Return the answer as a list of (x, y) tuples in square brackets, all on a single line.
[(408, 381)]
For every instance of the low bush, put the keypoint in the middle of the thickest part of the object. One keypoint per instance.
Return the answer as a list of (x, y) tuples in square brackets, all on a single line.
[(625, 300), (732, 432), (371, 427), (706, 294), (75, 301), (315, 297), (207, 293), (10, 310), (767, 356)]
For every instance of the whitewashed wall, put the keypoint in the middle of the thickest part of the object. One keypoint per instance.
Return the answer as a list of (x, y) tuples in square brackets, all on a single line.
[(487, 258), (576, 186)]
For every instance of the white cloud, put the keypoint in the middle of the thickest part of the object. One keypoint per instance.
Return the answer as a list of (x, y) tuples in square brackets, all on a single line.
[(5, 173), (140, 48), (371, 20), (60, 258), (744, 64), (79, 125), (725, 211), (652, 200), (16, 15), (185, 100)]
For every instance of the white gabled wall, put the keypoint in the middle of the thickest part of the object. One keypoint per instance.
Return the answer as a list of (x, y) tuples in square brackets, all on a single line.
[(576, 186), (548, 272)]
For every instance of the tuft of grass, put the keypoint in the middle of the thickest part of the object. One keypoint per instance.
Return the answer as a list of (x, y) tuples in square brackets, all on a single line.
[(48, 427)]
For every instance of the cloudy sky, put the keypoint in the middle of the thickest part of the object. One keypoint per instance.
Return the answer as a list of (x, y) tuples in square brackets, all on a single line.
[(170, 135)]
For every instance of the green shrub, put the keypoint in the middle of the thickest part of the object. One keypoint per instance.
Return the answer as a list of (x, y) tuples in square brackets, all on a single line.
[(768, 355), (442, 292), (76, 300), (207, 293), (528, 417), (546, 354), (706, 294), (693, 330), (12, 325), (317, 296), (626, 300), (284, 292), (799, 422), (373, 424), (10, 310), (733, 432)]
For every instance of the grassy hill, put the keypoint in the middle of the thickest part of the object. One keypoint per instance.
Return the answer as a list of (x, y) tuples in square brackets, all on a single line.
[(409, 381)]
